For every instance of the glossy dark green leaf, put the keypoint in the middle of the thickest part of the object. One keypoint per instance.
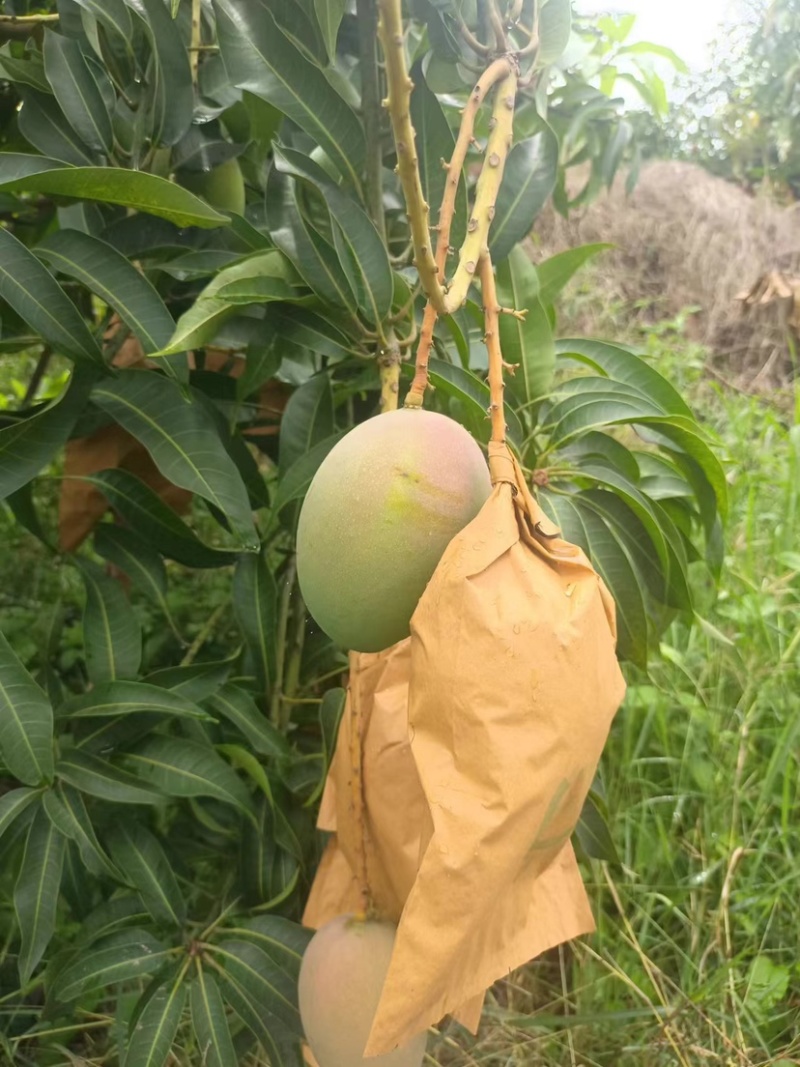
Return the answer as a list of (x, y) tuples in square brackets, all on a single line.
[(694, 456), (255, 969), (77, 92), (307, 330), (143, 862), (142, 564), (210, 1022), (528, 343), (555, 25), (593, 833), (182, 440), (108, 274), (42, 123), (126, 698), (528, 180), (195, 682), (154, 522), (111, 632), (239, 708), (255, 604), (601, 448), (282, 1047), (132, 189), (26, 721), (121, 957), (182, 768), (362, 254), (111, 13), (473, 393), (67, 811), (283, 941), (297, 478), (555, 272), (12, 805), (28, 445), (98, 778), (171, 97), (307, 420), (26, 70), (36, 891), (262, 59), (155, 1028), (435, 142), (38, 299)]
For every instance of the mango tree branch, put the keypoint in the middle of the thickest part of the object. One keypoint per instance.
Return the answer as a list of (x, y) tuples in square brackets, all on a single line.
[(491, 311)]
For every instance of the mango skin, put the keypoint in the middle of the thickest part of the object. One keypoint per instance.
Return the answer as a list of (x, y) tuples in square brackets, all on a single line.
[(222, 187), (378, 515), (341, 978)]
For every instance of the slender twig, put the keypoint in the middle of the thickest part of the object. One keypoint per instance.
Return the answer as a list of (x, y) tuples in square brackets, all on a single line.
[(38, 373), (371, 110), (491, 312), (205, 633), (389, 359), (197, 39), (473, 42), (498, 29)]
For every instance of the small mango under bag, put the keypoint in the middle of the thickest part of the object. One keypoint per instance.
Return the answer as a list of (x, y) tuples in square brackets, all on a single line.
[(512, 683)]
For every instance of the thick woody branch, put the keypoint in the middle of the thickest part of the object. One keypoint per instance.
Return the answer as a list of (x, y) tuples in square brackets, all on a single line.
[(491, 310)]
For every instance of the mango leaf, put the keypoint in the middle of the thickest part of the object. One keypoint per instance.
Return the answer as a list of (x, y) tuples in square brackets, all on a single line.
[(98, 778), (13, 803), (282, 1047), (263, 60), (108, 274), (171, 95), (111, 632), (555, 25), (129, 188), (42, 123), (593, 833), (528, 180), (307, 420), (283, 941), (210, 1023), (255, 604), (253, 968), (38, 299), (152, 1035), (295, 482), (36, 891), (527, 343), (125, 698), (182, 440), (195, 682), (239, 708), (111, 13), (121, 957), (77, 92), (331, 710), (145, 866), (26, 721), (182, 768), (25, 70), (154, 522), (67, 811), (555, 272), (142, 564), (361, 251)]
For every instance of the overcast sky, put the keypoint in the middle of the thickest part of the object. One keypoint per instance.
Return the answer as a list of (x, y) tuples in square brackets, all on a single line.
[(685, 25)]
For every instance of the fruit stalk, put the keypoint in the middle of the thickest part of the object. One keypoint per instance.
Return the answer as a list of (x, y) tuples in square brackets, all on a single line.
[(491, 311)]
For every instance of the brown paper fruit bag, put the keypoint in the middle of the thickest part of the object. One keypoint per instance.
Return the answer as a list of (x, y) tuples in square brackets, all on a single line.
[(514, 683)]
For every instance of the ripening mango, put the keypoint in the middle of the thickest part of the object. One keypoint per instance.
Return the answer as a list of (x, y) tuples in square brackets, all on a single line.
[(381, 510), (341, 978)]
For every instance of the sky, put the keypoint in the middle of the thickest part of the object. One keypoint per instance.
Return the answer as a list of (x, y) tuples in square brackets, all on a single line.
[(687, 26)]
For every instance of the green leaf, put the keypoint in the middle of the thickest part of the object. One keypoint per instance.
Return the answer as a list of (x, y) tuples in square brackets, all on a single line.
[(121, 957), (331, 710), (142, 564), (210, 1023), (435, 142), (67, 811), (555, 26), (362, 254), (111, 632), (283, 941), (28, 445), (263, 60), (41, 122), (195, 682), (98, 778), (239, 708), (254, 969), (528, 180), (255, 604), (39, 300), (183, 768), (125, 698), (129, 188), (36, 891), (282, 1048), (25, 70), (12, 805), (111, 13), (648, 48), (593, 833), (329, 16), (108, 274), (307, 419), (145, 866), (294, 483), (258, 279), (154, 522), (555, 272), (26, 721), (528, 343), (76, 90), (171, 97), (688, 438), (183, 441)]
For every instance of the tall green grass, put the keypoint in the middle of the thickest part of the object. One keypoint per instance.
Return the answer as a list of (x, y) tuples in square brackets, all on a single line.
[(695, 958)]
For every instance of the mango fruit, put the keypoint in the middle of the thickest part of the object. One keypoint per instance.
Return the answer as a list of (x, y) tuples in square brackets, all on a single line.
[(222, 187), (341, 978), (378, 515)]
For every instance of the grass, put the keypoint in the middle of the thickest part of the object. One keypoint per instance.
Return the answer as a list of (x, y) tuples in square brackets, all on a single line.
[(695, 958)]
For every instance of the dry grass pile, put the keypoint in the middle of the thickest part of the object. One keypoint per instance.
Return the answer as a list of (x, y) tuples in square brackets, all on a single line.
[(686, 239)]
